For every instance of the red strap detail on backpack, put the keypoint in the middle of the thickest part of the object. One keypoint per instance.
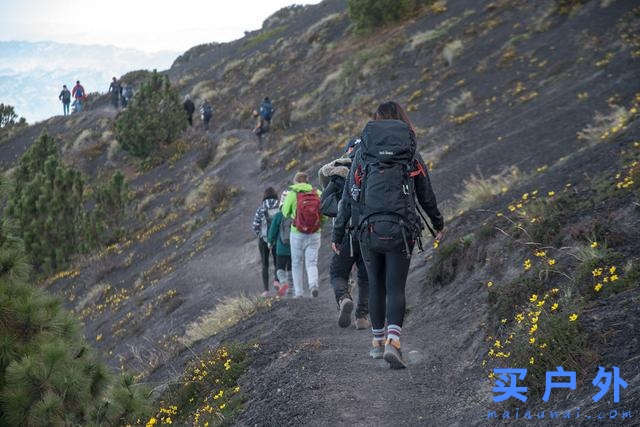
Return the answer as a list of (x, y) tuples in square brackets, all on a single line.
[(357, 176), (418, 171), (308, 217)]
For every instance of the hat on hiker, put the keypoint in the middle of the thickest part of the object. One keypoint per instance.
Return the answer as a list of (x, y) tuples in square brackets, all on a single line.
[(301, 177), (351, 145)]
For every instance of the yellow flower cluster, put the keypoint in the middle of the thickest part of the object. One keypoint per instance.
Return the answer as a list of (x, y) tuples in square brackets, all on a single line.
[(604, 275), (463, 118)]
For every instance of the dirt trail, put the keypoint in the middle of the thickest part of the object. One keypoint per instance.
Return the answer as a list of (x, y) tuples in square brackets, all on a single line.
[(310, 371)]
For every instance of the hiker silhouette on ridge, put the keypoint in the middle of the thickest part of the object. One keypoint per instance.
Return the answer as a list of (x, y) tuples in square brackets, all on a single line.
[(79, 96), (65, 97), (206, 112), (386, 177), (116, 92)]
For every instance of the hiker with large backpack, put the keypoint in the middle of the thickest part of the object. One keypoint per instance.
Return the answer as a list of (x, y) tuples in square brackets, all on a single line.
[(65, 97), (261, 222), (387, 176), (79, 96), (302, 205), (332, 177), (116, 91), (206, 112), (127, 94), (279, 236)]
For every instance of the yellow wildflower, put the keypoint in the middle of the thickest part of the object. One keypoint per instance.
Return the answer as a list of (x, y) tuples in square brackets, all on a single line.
[(532, 340), (436, 243), (551, 193), (525, 196), (497, 344), (503, 321), (573, 317), (223, 406), (612, 269), (552, 261), (533, 298), (541, 303), (594, 244), (152, 421), (554, 290), (511, 208), (531, 360), (614, 277), (597, 272), (527, 264), (533, 329), (489, 284), (597, 287)]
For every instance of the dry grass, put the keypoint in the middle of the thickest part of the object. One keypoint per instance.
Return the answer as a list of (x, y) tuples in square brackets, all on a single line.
[(451, 50), (479, 190), (228, 312), (211, 191), (259, 75), (605, 127), (465, 99)]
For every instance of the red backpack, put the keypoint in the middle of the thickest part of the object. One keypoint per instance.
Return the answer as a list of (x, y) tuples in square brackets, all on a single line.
[(308, 215)]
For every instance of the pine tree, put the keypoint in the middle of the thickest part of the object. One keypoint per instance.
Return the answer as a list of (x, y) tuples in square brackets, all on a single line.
[(48, 373), (154, 117)]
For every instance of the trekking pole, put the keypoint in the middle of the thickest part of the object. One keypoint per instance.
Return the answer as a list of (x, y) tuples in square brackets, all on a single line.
[(433, 233)]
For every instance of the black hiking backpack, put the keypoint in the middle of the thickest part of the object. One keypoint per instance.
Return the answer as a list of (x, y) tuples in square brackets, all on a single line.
[(285, 230), (387, 165)]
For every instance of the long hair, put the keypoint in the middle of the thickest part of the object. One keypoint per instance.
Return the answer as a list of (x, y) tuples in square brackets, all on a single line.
[(270, 193), (391, 110)]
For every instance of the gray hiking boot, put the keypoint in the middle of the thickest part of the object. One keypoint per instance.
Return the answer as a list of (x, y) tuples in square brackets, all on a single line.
[(314, 292), (393, 355), (362, 323), (377, 349), (345, 308)]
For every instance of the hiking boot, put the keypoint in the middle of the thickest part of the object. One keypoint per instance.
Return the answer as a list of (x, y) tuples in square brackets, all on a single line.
[(282, 290), (393, 355), (276, 286), (377, 349), (362, 323), (345, 308), (314, 292)]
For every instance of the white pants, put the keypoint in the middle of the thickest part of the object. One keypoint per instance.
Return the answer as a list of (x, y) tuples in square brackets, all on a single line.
[(304, 246)]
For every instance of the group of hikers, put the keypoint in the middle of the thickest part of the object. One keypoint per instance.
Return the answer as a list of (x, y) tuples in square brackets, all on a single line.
[(121, 95), (376, 193), (263, 114)]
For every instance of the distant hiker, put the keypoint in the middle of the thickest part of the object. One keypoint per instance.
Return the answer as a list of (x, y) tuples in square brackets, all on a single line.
[(386, 178), (261, 222), (79, 95), (302, 205), (266, 110), (332, 177), (262, 126), (279, 232), (189, 108), (127, 95), (65, 97), (116, 91), (206, 112)]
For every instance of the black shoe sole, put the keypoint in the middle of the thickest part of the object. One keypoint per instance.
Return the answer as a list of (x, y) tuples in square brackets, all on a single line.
[(314, 293), (344, 320)]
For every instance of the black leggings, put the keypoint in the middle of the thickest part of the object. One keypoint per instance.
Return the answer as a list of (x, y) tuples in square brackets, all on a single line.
[(264, 258), (387, 278)]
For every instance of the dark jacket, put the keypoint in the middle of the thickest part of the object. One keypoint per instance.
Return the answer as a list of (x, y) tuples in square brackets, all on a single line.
[(65, 96), (332, 177), (189, 106), (274, 236), (348, 208)]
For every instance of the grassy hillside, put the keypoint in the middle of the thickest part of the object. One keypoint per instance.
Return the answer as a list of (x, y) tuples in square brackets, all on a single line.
[(527, 113)]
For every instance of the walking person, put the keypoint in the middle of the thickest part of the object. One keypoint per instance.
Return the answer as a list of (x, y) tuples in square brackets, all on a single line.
[(332, 177), (206, 112), (261, 222), (127, 95), (386, 178), (65, 97), (279, 236), (189, 108), (116, 91), (302, 205), (79, 96)]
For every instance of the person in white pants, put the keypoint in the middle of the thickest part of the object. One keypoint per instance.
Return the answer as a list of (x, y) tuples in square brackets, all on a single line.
[(305, 243)]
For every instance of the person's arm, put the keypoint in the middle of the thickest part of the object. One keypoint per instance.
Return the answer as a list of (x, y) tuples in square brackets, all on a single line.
[(344, 208), (426, 197), (274, 229), (257, 220), (289, 205)]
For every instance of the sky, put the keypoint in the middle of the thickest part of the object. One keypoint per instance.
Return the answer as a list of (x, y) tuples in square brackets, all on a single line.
[(174, 25)]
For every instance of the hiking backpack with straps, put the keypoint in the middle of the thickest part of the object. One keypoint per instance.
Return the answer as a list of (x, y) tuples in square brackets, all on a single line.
[(386, 198), (79, 92), (266, 110), (269, 213), (285, 230), (308, 217)]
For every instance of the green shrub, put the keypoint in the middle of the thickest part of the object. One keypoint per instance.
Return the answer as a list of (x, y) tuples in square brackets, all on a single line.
[(371, 14), (48, 373), (154, 117), (47, 203)]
